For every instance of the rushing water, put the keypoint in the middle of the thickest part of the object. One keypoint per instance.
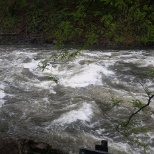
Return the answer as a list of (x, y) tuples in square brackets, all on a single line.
[(73, 112)]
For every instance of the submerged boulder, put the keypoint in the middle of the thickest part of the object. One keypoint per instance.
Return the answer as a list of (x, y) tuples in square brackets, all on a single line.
[(24, 146)]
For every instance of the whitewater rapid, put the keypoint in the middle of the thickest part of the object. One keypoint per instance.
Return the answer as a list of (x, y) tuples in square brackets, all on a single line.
[(70, 113)]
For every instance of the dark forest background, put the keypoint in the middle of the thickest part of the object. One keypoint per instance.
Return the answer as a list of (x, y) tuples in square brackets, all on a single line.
[(103, 22)]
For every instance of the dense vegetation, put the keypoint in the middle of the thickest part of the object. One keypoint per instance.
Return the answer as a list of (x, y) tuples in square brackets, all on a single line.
[(111, 23), (104, 22)]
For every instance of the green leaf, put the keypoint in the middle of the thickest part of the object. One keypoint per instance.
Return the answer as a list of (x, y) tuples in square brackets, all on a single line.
[(116, 102), (137, 103), (53, 79)]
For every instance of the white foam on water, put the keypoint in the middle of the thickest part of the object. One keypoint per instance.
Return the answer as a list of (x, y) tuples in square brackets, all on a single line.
[(84, 113), (1, 103), (51, 70), (107, 54), (141, 62), (2, 86), (97, 54), (123, 147), (79, 75), (152, 116), (151, 135), (137, 57), (2, 95), (91, 54), (24, 52), (31, 65), (149, 61), (46, 85), (86, 75)]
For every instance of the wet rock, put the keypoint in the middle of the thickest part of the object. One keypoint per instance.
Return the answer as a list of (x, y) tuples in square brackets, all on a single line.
[(24, 146)]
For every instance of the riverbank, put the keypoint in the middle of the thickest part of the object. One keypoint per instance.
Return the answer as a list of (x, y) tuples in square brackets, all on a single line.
[(106, 24), (14, 39)]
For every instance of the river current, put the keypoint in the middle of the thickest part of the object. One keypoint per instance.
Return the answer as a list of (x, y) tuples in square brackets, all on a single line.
[(76, 111)]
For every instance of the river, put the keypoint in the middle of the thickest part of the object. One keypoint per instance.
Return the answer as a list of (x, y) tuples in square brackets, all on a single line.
[(77, 111)]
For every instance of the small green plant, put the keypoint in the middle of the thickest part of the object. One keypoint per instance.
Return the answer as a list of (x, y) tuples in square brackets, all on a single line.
[(116, 102)]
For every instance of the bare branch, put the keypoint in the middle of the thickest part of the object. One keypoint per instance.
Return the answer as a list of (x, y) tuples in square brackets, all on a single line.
[(133, 114)]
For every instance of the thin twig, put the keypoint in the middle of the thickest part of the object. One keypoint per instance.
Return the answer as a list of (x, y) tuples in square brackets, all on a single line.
[(133, 114)]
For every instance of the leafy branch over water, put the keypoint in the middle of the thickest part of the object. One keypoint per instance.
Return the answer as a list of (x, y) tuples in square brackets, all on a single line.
[(150, 97), (128, 126)]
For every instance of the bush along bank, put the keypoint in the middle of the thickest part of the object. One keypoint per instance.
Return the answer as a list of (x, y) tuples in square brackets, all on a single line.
[(89, 22)]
